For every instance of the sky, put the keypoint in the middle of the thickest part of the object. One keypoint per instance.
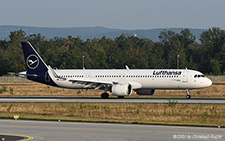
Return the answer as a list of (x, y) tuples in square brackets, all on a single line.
[(122, 14)]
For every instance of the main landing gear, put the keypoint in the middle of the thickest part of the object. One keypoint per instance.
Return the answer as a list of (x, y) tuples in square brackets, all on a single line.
[(104, 95), (120, 97), (188, 96)]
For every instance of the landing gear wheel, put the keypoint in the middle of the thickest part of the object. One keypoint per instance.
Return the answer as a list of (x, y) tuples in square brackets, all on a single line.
[(120, 97), (188, 96), (104, 95)]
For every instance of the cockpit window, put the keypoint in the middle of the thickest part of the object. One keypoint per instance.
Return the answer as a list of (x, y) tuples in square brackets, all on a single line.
[(198, 76)]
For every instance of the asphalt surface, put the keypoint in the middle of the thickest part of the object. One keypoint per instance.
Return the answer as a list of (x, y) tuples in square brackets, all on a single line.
[(114, 100), (70, 131), (11, 137)]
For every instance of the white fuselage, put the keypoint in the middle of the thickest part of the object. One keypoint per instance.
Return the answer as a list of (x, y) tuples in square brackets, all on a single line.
[(140, 78)]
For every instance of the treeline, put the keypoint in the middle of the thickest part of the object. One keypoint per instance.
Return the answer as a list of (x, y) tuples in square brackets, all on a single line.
[(206, 54)]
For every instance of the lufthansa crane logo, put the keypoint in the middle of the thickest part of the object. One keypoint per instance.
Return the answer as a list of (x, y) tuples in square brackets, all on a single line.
[(32, 61)]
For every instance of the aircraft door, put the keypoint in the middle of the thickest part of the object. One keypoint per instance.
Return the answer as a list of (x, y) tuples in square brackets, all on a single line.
[(88, 75), (185, 76)]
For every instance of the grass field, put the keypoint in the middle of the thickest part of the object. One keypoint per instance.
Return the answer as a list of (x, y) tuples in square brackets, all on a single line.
[(37, 89), (171, 113)]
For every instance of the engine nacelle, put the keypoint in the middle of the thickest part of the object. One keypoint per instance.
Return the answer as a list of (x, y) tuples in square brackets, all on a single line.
[(122, 89), (145, 91)]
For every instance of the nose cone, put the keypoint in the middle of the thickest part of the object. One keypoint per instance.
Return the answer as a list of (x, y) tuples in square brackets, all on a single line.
[(208, 82)]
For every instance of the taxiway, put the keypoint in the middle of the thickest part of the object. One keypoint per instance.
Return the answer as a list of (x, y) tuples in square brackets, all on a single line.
[(58, 131), (114, 100)]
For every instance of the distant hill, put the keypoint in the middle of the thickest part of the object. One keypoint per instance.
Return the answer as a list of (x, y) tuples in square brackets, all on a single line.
[(90, 32)]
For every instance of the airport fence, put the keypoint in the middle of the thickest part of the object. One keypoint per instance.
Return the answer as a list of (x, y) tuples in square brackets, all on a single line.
[(19, 79), (217, 78)]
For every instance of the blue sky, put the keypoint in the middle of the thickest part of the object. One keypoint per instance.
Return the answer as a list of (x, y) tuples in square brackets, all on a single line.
[(123, 14)]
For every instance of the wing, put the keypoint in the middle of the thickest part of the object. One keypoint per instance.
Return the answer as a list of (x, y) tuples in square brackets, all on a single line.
[(96, 84)]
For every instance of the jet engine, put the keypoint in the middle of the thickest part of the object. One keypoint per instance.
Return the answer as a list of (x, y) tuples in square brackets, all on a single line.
[(145, 91), (122, 89)]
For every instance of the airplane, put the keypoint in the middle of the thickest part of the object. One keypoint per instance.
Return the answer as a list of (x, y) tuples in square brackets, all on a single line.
[(120, 82)]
